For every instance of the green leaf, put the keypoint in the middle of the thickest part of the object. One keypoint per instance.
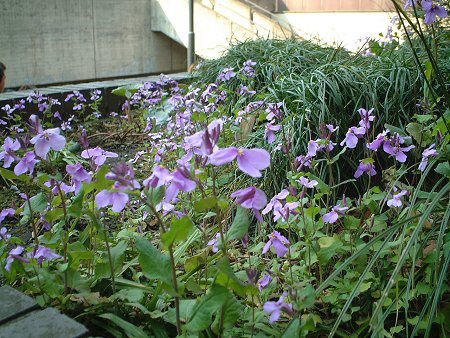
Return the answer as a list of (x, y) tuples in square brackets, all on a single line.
[(9, 175), (419, 133), (76, 206), (126, 91), (155, 195), (240, 224), (205, 204), (293, 329), (38, 204), (178, 232), (443, 169), (103, 268), (210, 303), (130, 329), (155, 265)]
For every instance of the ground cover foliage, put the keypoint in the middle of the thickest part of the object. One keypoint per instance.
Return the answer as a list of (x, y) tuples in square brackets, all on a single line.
[(289, 190)]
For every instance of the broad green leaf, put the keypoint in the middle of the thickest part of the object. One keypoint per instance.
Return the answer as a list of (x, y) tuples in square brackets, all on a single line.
[(293, 329), (205, 204), (126, 91), (240, 224), (179, 231), (206, 306), (9, 175), (38, 204), (443, 169), (155, 264)]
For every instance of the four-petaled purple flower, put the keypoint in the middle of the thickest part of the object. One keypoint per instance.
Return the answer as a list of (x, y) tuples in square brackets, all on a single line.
[(270, 130), (214, 242), (396, 200), (117, 199), (365, 166), (27, 163), (307, 183), (46, 140), (274, 309), (226, 74), (43, 253), (393, 147), (160, 176), (9, 147), (180, 182), (366, 117), (264, 281), (251, 198), (432, 10), (427, 153), (98, 155), (352, 136), (15, 254), (278, 242), (332, 216), (250, 161), (79, 175)]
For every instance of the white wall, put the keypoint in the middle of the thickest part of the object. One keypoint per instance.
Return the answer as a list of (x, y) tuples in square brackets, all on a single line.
[(337, 27)]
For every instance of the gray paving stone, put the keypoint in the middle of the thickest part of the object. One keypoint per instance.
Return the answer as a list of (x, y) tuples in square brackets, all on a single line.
[(14, 304), (48, 323)]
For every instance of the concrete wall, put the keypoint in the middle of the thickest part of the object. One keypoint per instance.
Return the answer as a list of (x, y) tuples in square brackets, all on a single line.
[(52, 41), (216, 24), (349, 29)]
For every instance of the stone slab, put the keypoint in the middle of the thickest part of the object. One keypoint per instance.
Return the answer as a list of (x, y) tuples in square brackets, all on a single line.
[(14, 304), (47, 323)]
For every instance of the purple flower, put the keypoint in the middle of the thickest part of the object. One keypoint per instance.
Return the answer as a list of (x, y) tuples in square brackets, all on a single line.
[(278, 242), (284, 212), (432, 10), (365, 166), (123, 174), (275, 202), (427, 153), (263, 282), (15, 254), (180, 182), (226, 74), (9, 147), (9, 212), (274, 309), (251, 198), (334, 214), (160, 176), (410, 3), (352, 136), (98, 155), (4, 236), (303, 161), (366, 117), (250, 161), (248, 68), (118, 200), (392, 146), (46, 140), (214, 242), (269, 133), (313, 147), (379, 140), (42, 253), (78, 174), (396, 200), (307, 183), (27, 163)]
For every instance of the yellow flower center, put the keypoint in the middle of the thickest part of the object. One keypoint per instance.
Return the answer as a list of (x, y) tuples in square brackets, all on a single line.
[(241, 152)]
